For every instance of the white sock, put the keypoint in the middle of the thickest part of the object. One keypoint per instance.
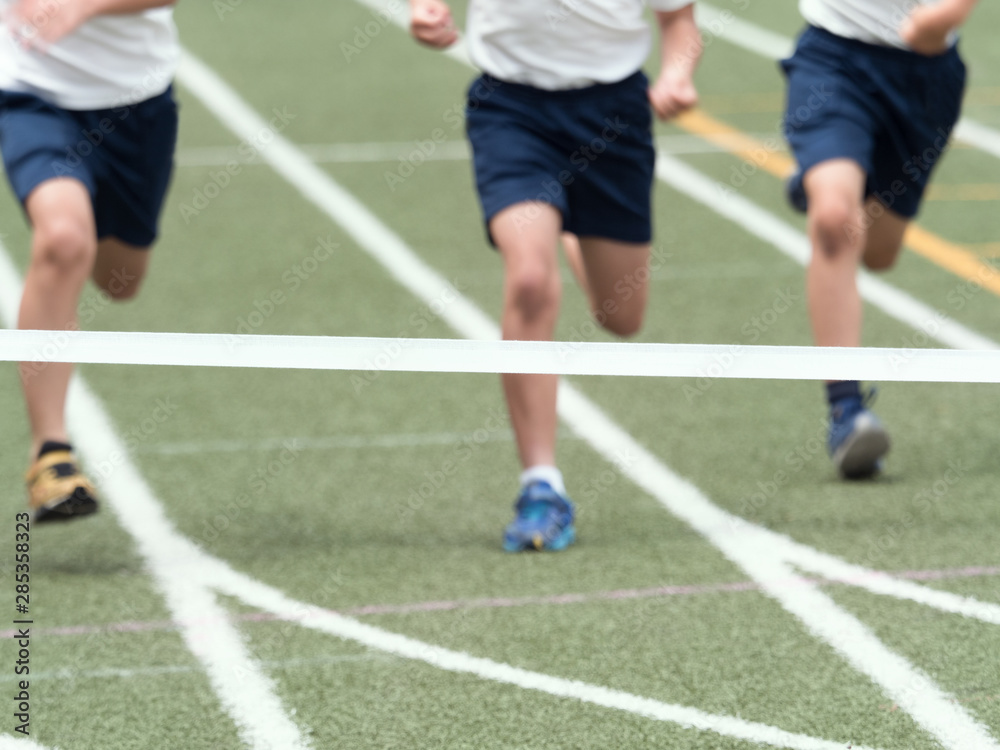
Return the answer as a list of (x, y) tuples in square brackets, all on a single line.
[(542, 473)]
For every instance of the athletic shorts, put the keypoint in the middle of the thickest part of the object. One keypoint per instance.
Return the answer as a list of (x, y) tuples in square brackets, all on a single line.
[(588, 152), (123, 156), (890, 110)]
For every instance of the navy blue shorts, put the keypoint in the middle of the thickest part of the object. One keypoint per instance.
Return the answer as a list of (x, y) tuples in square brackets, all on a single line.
[(890, 110), (123, 156), (588, 152)]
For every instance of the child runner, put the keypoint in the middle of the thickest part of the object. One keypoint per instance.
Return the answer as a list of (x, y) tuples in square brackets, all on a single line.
[(874, 90), (560, 126), (87, 131)]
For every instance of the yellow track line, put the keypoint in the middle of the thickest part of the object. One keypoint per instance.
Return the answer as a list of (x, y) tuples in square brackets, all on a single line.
[(767, 156), (988, 191)]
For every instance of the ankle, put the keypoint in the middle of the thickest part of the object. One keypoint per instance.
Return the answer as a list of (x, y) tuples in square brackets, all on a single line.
[(544, 473)]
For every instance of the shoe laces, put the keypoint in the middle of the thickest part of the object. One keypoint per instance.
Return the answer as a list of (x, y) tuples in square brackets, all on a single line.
[(537, 501), (846, 408)]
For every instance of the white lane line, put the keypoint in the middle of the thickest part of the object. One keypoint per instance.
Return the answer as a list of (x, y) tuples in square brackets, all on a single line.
[(774, 231), (367, 153), (268, 599), (835, 569), (326, 153), (930, 707), (7, 742), (187, 575), (770, 45), (765, 556), (244, 691)]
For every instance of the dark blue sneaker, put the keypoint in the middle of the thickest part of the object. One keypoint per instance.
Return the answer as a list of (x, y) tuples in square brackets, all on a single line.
[(858, 440), (544, 520), (795, 191)]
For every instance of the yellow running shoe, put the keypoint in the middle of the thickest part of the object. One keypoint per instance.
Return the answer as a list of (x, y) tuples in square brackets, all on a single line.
[(58, 490)]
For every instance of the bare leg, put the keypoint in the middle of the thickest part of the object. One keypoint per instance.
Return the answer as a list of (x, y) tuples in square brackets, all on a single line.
[(574, 257), (618, 282), (885, 236), (120, 268), (844, 230), (527, 235), (63, 249), (837, 230)]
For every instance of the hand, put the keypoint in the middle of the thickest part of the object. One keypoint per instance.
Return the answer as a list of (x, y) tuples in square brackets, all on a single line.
[(672, 94), (39, 23), (923, 31), (431, 23)]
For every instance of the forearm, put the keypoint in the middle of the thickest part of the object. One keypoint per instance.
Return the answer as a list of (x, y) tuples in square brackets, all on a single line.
[(949, 14), (120, 7), (680, 41)]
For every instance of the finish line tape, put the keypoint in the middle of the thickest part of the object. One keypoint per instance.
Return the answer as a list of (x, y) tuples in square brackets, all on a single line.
[(466, 356)]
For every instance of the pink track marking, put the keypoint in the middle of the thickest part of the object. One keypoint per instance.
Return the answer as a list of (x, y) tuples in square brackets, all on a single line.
[(500, 602)]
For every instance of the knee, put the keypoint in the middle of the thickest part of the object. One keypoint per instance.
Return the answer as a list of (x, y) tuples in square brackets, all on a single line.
[(836, 225), (121, 285), (623, 326), (880, 260), (65, 246), (534, 290)]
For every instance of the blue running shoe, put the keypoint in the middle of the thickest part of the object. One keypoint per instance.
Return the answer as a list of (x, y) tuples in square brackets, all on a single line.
[(795, 191), (544, 520), (858, 440)]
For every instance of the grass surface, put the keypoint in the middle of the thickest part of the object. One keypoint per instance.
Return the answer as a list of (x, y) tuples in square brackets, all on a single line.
[(336, 525)]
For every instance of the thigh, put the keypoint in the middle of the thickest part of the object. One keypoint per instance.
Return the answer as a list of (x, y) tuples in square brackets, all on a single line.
[(885, 235), (120, 267), (527, 235), (618, 276)]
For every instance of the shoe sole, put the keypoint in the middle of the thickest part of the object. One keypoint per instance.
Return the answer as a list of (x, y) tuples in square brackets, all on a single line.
[(81, 503), (537, 544), (860, 455)]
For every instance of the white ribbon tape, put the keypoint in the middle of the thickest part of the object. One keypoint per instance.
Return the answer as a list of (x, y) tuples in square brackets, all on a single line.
[(458, 355)]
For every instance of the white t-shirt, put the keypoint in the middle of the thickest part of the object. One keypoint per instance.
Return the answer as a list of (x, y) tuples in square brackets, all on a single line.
[(561, 44), (872, 21), (108, 62)]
